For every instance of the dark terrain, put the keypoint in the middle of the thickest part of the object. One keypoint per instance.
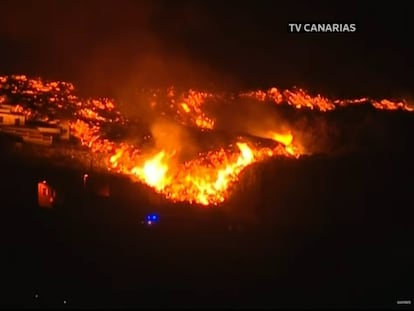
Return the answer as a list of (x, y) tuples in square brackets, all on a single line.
[(328, 231)]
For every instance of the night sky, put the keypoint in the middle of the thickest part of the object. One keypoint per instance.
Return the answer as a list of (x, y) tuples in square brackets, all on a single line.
[(111, 47)]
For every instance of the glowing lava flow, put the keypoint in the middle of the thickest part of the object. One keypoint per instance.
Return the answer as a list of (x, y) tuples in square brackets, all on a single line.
[(299, 98), (205, 180)]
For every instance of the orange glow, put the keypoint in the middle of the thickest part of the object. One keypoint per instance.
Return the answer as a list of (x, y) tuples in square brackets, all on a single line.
[(207, 178), (300, 98), (153, 172), (190, 108), (185, 107), (285, 139)]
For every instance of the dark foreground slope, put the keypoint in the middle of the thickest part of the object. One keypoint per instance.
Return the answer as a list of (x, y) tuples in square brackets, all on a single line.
[(330, 232)]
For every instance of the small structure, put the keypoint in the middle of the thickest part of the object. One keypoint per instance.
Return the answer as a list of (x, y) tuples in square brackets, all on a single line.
[(15, 119), (46, 195), (64, 130), (59, 130)]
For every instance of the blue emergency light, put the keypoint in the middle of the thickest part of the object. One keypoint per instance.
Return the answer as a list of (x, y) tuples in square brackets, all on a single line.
[(152, 218)]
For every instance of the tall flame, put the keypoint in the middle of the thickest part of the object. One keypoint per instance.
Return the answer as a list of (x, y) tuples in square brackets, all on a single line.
[(154, 171)]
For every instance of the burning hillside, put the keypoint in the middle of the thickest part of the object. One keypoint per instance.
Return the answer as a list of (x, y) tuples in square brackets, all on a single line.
[(196, 143)]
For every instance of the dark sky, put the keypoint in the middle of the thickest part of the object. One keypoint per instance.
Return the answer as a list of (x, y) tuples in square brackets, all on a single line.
[(110, 47)]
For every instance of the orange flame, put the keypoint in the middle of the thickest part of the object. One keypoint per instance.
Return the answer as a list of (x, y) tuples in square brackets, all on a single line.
[(153, 171)]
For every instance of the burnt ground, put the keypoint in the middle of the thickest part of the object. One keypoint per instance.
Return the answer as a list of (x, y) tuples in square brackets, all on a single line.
[(328, 231)]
